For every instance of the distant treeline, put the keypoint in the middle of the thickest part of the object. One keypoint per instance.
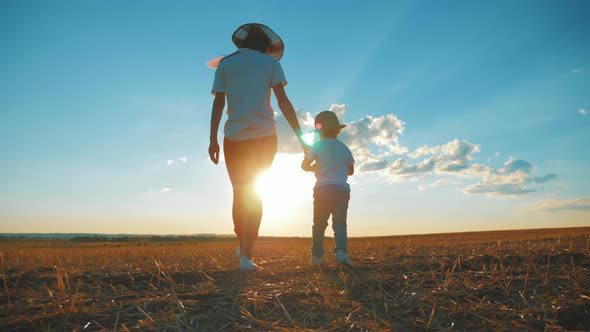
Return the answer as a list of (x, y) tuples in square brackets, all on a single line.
[(152, 238), (13, 238), (134, 238), (98, 238)]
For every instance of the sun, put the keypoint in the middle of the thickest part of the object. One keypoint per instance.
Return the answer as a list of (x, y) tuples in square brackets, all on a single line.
[(284, 186)]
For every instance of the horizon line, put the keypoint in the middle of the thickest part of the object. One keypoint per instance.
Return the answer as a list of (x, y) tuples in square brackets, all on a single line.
[(587, 228)]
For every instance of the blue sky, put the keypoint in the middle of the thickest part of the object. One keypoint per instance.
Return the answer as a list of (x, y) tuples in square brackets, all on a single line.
[(463, 115)]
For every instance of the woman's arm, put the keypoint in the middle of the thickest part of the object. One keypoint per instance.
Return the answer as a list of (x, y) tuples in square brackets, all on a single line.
[(288, 111), (216, 113)]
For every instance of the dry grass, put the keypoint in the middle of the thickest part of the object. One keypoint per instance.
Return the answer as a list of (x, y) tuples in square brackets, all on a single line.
[(460, 282)]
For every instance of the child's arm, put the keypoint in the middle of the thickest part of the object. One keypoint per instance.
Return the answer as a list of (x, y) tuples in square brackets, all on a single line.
[(307, 166), (350, 163)]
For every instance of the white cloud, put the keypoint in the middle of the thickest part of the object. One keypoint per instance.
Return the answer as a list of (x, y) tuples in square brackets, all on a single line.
[(453, 156), (442, 182), (401, 169), (165, 190), (371, 139), (367, 162), (583, 112), (516, 165), (459, 153), (556, 205), (543, 179), (497, 189), (514, 179), (381, 131), (439, 183), (340, 110), (449, 158), (454, 159), (375, 144), (477, 170), (177, 161), (421, 151)]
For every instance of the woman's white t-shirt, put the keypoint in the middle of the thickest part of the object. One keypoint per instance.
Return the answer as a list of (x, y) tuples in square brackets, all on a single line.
[(247, 77)]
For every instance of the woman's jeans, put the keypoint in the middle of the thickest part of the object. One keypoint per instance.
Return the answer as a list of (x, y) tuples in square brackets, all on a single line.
[(245, 161), (329, 200)]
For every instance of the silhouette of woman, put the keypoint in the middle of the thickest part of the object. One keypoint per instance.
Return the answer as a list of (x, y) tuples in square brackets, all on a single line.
[(245, 78)]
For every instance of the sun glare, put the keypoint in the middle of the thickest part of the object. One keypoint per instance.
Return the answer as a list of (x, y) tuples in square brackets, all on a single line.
[(284, 186), (309, 138)]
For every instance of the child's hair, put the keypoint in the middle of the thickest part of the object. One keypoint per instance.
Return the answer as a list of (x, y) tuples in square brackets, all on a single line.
[(257, 39)]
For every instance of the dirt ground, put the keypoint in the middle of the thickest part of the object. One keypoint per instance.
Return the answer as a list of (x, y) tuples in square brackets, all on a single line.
[(513, 280)]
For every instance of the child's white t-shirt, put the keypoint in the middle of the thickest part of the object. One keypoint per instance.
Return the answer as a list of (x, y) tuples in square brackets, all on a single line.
[(247, 78), (332, 158)]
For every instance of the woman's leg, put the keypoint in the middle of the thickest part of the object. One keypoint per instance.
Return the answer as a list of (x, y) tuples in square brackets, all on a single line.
[(245, 160), (234, 161), (264, 150)]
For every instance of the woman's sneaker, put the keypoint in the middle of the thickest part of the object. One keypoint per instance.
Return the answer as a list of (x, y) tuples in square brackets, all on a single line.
[(246, 264), (317, 261), (342, 258)]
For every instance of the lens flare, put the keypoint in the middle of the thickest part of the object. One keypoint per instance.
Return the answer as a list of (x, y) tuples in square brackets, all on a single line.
[(309, 138), (284, 187)]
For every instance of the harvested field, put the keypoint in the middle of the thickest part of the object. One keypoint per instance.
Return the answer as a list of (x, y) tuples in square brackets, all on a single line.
[(513, 280)]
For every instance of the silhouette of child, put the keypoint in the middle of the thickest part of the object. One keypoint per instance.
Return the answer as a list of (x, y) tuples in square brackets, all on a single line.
[(332, 162)]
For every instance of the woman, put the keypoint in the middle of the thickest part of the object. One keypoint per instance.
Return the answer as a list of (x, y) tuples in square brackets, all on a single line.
[(246, 78)]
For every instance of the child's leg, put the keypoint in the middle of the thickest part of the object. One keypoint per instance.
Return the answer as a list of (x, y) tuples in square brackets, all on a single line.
[(339, 219), (321, 214)]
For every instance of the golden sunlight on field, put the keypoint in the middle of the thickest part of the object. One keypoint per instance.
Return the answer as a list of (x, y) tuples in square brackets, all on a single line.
[(284, 186), (514, 280)]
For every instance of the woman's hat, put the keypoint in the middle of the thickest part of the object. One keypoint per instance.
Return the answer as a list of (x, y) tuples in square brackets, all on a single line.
[(239, 37), (327, 120), (276, 43)]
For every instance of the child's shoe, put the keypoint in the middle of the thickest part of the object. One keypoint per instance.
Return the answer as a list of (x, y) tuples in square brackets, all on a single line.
[(342, 258), (246, 264), (317, 261)]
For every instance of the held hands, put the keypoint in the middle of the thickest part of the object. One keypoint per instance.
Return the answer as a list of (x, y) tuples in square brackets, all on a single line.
[(306, 166), (304, 146), (214, 152)]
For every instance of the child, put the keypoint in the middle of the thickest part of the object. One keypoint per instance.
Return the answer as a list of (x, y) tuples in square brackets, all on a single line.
[(331, 193)]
